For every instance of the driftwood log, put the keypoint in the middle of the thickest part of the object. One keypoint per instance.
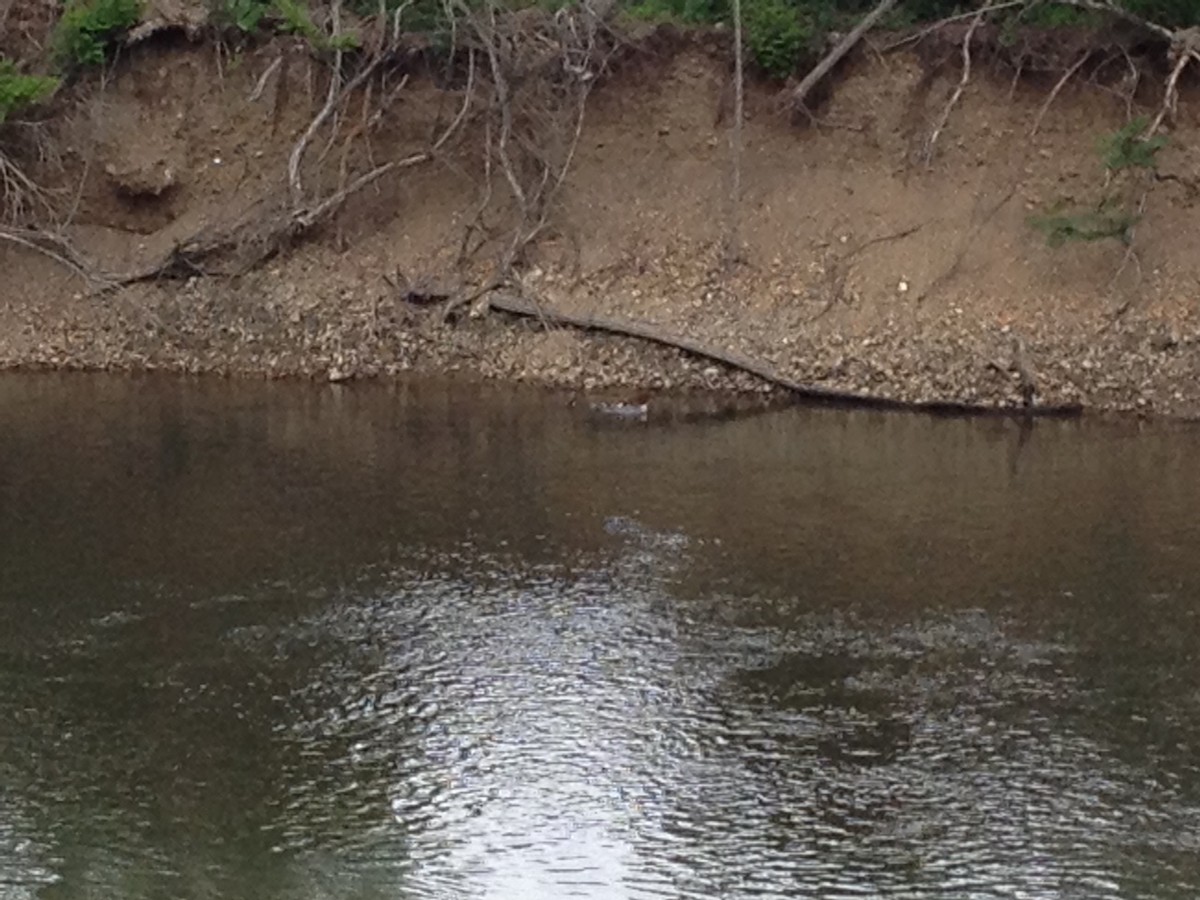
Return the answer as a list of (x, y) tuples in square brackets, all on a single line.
[(520, 306)]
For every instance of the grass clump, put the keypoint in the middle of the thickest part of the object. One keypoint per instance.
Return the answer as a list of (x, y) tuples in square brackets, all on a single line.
[(18, 92), (89, 29)]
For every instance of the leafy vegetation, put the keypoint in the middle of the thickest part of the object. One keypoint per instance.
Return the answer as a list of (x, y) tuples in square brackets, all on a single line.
[(1110, 220), (775, 35), (287, 16), (778, 33), (18, 92), (1130, 148), (89, 29), (1127, 150), (244, 16), (296, 19)]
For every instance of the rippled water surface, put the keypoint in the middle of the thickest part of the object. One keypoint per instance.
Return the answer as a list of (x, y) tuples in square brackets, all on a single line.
[(442, 641)]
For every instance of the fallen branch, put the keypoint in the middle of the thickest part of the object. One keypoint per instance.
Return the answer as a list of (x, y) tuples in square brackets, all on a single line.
[(518, 306), (800, 94)]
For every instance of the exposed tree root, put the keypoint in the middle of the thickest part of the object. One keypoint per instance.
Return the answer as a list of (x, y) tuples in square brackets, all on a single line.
[(58, 249), (931, 144), (268, 230), (1055, 91), (19, 193), (540, 71), (731, 252), (1184, 49), (518, 306), (839, 268)]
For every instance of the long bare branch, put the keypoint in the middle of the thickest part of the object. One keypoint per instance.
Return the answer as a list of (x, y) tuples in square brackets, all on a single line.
[(800, 94)]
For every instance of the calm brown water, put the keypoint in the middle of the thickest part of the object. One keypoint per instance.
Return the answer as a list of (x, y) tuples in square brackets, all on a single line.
[(441, 641)]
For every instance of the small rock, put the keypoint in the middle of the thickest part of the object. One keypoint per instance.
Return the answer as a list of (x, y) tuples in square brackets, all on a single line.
[(1163, 341)]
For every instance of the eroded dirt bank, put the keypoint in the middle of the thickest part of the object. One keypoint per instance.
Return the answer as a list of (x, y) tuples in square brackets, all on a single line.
[(864, 268)]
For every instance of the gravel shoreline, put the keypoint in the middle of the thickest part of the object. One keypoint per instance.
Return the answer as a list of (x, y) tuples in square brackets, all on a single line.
[(1133, 365)]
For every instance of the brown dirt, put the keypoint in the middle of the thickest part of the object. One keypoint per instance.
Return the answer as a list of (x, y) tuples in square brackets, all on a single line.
[(864, 269)]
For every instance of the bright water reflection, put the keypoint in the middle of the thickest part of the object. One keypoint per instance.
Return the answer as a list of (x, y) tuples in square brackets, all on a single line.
[(267, 647)]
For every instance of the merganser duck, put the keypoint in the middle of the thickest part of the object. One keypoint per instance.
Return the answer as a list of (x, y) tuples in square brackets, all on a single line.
[(637, 409)]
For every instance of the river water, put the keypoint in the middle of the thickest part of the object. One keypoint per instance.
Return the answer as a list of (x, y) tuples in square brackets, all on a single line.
[(447, 641)]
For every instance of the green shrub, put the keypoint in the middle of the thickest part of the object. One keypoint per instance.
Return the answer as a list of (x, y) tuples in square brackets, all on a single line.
[(418, 16), (243, 15), (17, 91), (685, 11), (1129, 148), (1109, 221), (296, 19), (774, 35), (1126, 149), (89, 28)]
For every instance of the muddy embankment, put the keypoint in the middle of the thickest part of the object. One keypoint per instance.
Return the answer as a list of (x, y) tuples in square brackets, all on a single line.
[(868, 263)]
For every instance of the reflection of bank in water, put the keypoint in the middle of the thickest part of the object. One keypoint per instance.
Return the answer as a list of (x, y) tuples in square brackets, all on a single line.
[(24, 863), (630, 412), (682, 408)]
